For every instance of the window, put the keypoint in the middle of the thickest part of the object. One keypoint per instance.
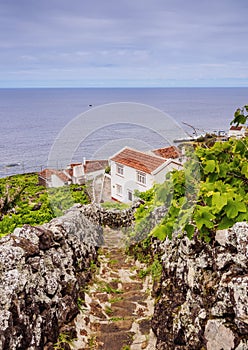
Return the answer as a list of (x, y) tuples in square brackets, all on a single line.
[(141, 177), (119, 169), (119, 190), (130, 195)]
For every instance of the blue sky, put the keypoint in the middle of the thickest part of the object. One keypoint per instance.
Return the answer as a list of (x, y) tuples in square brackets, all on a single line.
[(101, 43)]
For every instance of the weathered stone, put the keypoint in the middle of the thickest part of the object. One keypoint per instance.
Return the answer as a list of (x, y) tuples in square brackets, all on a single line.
[(218, 336), (112, 218), (42, 273), (203, 294)]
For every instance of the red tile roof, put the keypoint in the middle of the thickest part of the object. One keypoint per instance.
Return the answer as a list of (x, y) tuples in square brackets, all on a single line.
[(168, 152), (62, 176), (74, 164), (47, 174), (237, 128), (138, 160), (95, 165)]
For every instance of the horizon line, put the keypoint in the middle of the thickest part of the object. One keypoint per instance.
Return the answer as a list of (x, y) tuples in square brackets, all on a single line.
[(122, 87)]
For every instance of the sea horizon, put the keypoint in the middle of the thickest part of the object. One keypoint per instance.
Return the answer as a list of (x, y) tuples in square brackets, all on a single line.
[(32, 117)]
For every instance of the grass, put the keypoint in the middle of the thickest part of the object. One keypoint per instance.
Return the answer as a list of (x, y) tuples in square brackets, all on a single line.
[(116, 319), (92, 342), (108, 310), (113, 262), (155, 270), (64, 338), (115, 300), (115, 205), (106, 288)]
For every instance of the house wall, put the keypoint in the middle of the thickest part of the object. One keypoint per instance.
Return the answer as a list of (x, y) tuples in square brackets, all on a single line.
[(92, 175), (237, 133), (56, 181), (43, 182), (160, 176), (78, 170), (128, 182)]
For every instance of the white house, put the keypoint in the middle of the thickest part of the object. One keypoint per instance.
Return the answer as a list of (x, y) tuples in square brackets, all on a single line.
[(53, 178), (76, 173), (135, 170), (237, 131)]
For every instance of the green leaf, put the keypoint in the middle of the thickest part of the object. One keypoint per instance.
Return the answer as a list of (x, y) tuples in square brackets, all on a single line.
[(160, 232), (210, 166), (204, 217), (219, 200), (225, 223), (190, 229), (244, 170), (234, 207)]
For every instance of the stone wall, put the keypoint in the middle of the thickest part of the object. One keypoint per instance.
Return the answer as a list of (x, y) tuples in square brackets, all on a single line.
[(43, 271), (202, 302), (113, 218)]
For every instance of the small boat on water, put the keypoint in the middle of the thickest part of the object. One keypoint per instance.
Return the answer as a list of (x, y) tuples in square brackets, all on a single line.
[(12, 165)]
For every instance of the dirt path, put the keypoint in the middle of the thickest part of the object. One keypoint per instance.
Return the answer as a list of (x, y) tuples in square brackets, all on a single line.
[(118, 304)]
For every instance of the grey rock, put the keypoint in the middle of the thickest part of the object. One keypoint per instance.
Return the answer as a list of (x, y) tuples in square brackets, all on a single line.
[(218, 336), (202, 302), (42, 274)]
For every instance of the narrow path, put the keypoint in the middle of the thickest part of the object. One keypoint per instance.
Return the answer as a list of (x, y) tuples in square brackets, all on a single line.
[(118, 303)]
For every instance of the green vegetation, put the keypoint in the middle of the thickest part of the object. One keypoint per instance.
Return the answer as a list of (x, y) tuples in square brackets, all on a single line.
[(240, 116), (106, 288), (154, 269), (63, 339), (116, 319), (115, 205), (23, 201), (108, 310), (125, 347), (115, 300), (215, 200), (92, 343), (107, 170)]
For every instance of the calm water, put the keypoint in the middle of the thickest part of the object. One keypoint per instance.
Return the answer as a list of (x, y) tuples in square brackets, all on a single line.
[(32, 118)]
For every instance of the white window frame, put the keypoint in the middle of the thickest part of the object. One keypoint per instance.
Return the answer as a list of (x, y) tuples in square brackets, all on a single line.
[(118, 190), (141, 177), (119, 169)]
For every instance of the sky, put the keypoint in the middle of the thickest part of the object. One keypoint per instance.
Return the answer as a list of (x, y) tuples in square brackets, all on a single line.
[(123, 43)]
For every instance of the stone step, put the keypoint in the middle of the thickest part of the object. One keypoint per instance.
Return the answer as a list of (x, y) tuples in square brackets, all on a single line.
[(118, 307)]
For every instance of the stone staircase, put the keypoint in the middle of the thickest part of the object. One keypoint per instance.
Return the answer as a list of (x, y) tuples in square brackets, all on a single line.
[(117, 311)]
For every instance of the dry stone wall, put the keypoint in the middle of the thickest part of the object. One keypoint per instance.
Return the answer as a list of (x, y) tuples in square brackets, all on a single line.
[(42, 274), (112, 218), (202, 302)]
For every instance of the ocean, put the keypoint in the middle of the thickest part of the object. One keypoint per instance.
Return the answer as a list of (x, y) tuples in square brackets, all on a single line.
[(32, 119)]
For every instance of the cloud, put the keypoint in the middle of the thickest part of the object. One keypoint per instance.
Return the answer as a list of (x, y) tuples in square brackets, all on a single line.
[(140, 40)]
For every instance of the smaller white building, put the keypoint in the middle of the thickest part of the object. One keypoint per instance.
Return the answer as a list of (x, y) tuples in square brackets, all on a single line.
[(135, 170), (237, 131), (54, 178)]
